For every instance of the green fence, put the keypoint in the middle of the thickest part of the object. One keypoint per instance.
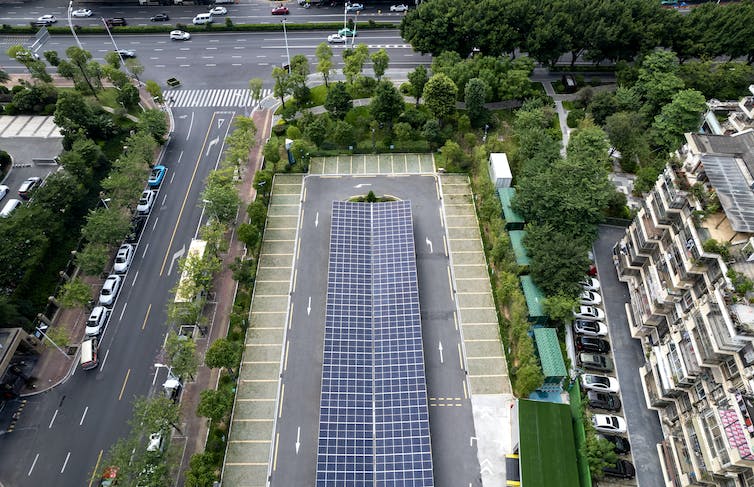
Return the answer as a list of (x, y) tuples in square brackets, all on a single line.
[(578, 432)]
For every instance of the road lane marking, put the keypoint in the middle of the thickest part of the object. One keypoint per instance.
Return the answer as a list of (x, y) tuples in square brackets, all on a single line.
[(155, 222), (53, 419), (460, 360), (285, 364), (107, 352), (32, 465), (146, 316), (275, 460), (282, 395), (123, 310), (191, 125), (133, 283), (188, 191), (465, 392), (65, 462), (164, 199), (96, 466), (154, 379), (83, 415), (171, 178), (125, 381)]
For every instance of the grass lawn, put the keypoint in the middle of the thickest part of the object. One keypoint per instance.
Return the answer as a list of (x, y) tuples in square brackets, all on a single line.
[(109, 97)]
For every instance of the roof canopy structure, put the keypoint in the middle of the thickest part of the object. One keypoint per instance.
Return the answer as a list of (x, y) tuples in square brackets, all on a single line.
[(534, 300), (548, 348), (512, 218)]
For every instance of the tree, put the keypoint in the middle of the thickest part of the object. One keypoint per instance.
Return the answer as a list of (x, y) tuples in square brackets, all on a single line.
[(418, 79), (79, 59), (221, 197), (153, 122), (440, 96), (224, 354), (387, 104), (283, 85), (353, 60), (317, 130), (255, 87), (113, 59), (214, 404), (683, 114), (342, 133), (599, 452), (134, 67), (555, 267), (249, 234), (658, 81), (75, 293), (107, 226), (338, 102), (155, 414), (380, 61), (475, 95), (121, 455), (559, 307), (439, 26), (128, 96), (93, 258), (202, 471), (181, 355), (324, 61), (154, 90), (626, 131)]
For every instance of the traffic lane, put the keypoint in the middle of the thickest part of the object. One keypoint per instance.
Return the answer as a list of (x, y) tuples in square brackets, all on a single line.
[(643, 423)]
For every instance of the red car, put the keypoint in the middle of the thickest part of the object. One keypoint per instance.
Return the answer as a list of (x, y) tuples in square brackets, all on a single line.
[(281, 10), (109, 477)]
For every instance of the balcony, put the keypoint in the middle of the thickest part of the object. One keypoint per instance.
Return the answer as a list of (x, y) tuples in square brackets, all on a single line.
[(653, 392)]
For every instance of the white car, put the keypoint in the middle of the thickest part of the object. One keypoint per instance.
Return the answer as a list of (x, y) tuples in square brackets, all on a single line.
[(82, 12), (603, 383), (109, 290), (336, 39), (589, 313), (590, 328), (47, 19), (123, 258), (590, 298), (145, 202), (354, 7), (3, 191), (590, 284), (609, 423), (156, 442), (399, 8), (179, 35), (218, 11), (97, 321)]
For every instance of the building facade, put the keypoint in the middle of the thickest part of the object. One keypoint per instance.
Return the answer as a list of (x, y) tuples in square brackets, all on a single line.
[(688, 261)]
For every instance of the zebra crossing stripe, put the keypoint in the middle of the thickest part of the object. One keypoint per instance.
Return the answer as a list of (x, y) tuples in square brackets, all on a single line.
[(211, 98)]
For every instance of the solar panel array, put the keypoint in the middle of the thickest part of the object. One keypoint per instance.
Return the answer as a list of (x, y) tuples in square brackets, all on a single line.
[(734, 193), (374, 419)]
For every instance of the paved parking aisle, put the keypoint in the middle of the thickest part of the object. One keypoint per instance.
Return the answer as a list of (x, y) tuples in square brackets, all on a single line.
[(491, 392), (252, 425)]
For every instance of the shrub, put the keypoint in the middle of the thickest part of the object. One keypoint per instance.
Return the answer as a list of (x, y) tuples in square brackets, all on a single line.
[(574, 117)]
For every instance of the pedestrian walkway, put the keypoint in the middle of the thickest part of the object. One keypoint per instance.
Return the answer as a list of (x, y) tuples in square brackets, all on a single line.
[(179, 98), (28, 126)]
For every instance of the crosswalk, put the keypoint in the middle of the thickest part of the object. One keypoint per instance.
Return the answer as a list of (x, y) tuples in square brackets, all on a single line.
[(211, 98)]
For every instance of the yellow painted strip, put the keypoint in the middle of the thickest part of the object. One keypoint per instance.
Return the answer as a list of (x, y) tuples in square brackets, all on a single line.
[(282, 396), (275, 460), (125, 381), (460, 358), (146, 316), (285, 364), (96, 467), (465, 392)]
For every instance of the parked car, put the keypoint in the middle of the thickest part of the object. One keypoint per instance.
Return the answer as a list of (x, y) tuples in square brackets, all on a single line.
[(399, 8), (81, 12), (10, 207), (109, 477), (596, 361), (115, 22), (28, 186), (588, 313), (621, 444), (156, 442), (157, 175), (622, 469), (3, 191), (595, 382), (109, 290), (126, 53), (603, 400), (592, 344), (179, 35), (123, 258), (346, 32), (145, 202), (590, 284), (97, 321), (354, 7), (218, 10), (590, 328), (47, 19), (336, 39), (590, 298), (609, 423), (281, 10), (159, 18)]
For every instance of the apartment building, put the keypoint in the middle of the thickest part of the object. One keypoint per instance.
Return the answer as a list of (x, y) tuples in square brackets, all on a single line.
[(687, 259)]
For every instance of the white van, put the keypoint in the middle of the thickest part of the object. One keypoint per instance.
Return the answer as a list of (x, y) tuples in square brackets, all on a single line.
[(89, 354), (201, 19), (11, 205)]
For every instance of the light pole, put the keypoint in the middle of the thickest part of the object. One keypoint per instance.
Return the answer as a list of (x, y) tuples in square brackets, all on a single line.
[(122, 61), (70, 24), (287, 53)]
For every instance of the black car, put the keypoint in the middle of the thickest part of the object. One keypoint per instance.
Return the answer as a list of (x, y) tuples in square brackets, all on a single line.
[(591, 344), (115, 21), (621, 444), (160, 18), (623, 469), (603, 400), (596, 361), (137, 225)]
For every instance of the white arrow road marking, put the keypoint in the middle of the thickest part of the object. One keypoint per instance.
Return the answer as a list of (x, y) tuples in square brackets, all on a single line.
[(309, 306), (183, 116), (316, 220), (220, 122), (440, 348), (298, 439), (429, 244), (212, 143), (176, 255), (362, 185)]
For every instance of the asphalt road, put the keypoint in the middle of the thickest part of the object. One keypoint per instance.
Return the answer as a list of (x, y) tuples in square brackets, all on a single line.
[(62, 433), (451, 422), (644, 429)]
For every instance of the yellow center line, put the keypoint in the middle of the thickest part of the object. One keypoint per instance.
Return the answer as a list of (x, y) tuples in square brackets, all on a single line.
[(125, 381), (185, 198), (96, 466), (146, 317)]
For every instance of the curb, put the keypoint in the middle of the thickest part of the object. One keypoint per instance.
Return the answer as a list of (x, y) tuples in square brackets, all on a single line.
[(68, 375)]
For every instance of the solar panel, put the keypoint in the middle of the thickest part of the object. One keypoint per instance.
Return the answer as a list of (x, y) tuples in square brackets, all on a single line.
[(374, 419), (733, 191)]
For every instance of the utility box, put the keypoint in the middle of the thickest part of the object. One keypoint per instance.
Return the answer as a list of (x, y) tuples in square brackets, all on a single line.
[(500, 170)]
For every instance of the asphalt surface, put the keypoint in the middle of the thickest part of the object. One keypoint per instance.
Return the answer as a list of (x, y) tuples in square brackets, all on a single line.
[(24, 150), (451, 422), (643, 424), (62, 433)]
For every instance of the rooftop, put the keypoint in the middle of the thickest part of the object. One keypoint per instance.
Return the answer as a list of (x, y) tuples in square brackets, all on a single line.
[(509, 214)]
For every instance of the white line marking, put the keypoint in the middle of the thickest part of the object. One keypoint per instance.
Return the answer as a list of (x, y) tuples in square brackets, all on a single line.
[(123, 310), (155, 223), (171, 178), (83, 415), (107, 352), (191, 124), (53, 419), (154, 379), (164, 199), (135, 276), (145, 251), (66, 462), (32, 465)]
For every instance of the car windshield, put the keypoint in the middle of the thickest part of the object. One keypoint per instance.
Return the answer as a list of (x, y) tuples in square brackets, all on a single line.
[(598, 380)]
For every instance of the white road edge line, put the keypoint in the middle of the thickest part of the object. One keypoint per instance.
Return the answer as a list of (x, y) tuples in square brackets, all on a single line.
[(83, 415), (66, 462), (32, 465)]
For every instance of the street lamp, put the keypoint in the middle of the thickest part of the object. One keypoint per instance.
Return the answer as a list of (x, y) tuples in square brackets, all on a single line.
[(70, 24), (122, 61), (287, 53)]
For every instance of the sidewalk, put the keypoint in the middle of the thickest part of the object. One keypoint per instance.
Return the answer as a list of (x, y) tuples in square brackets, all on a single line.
[(196, 428)]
